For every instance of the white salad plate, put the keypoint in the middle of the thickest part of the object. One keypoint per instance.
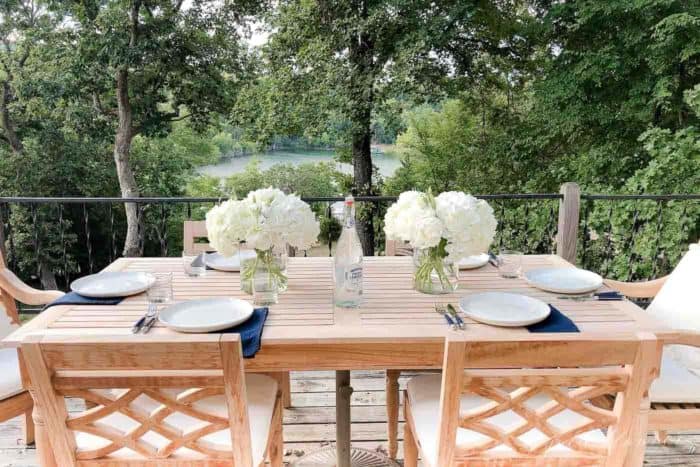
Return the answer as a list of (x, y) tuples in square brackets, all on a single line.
[(504, 309), (473, 262), (564, 280), (228, 264), (113, 284), (206, 314)]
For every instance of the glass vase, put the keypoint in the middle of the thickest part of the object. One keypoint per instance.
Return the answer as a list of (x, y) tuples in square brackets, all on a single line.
[(433, 273), (265, 275)]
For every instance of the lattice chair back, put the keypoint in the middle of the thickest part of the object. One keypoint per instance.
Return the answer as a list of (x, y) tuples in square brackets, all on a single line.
[(544, 415), (192, 231), (135, 384)]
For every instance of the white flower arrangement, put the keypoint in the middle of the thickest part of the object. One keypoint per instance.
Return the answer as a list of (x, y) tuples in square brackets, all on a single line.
[(449, 227), (265, 219), (467, 224)]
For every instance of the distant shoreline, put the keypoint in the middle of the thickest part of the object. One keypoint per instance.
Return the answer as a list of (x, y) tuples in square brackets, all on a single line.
[(386, 161)]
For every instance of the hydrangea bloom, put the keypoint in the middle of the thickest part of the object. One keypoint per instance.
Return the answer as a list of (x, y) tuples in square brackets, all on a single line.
[(264, 219), (467, 224)]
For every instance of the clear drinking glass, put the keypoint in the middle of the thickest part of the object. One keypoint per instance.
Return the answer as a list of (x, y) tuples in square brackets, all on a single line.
[(194, 265), (510, 264), (162, 290), (265, 287)]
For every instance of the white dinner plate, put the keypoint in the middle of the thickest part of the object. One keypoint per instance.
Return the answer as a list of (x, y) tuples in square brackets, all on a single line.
[(504, 309), (564, 280), (473, 262), (230, 263), (113, 284), (206, 314)]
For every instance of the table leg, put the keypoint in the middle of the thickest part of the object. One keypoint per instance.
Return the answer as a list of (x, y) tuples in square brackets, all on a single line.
[(43, 445), (343, 391), (343, 453), (41, 436)]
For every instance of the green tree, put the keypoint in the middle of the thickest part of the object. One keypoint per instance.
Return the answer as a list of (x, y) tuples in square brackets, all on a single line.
[(611, 70), (350, 57), (146, 64)]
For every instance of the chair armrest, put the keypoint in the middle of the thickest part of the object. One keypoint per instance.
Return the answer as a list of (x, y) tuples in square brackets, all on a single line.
[(13, 286), (691, 338), (645, 289)]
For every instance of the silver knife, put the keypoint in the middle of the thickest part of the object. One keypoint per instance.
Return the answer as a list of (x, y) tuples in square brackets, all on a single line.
[(602, 296)]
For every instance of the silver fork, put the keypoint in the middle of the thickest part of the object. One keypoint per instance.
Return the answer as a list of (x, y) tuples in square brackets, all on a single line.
[(455, 316), (149, 317), (151, 320), (441, 308)]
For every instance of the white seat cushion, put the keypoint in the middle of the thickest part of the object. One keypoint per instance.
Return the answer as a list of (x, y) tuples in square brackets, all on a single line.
[(678, 305), (10, 381), (675, 383), (424, 396), (261, 391)]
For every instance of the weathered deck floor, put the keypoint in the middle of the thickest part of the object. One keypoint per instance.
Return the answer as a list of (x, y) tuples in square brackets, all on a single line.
[(310, 423)]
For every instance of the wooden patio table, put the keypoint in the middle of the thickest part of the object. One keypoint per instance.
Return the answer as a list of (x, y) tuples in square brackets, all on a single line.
[(395, 328)]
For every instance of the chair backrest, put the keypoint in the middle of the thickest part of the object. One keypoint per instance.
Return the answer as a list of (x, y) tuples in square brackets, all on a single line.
[(12, 289), (678, 303), (91, 369), (569, 373), (192, 231), (9, 320), (396, 248)]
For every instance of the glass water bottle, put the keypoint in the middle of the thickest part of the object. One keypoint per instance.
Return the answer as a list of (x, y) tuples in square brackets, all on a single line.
[(348, 261)]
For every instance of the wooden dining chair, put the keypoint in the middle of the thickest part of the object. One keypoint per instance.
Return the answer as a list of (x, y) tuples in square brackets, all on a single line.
[(540, 415), (675, 395), (193, 231), (156, 402), (14, 399), (197, 230)]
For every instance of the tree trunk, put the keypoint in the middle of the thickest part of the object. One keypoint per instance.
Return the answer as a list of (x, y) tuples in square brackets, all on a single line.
[(7, 125), (361, 57), (133, 245), (362, 169), (48, 278)]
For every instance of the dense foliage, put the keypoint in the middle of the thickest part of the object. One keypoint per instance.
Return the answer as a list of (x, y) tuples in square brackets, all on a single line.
[(129, 97)]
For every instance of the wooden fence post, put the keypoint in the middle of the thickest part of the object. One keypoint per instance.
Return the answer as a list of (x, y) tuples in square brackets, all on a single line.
[(567, 231)]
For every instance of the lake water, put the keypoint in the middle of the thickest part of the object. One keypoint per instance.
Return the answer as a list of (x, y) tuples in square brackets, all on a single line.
[(387, 164)]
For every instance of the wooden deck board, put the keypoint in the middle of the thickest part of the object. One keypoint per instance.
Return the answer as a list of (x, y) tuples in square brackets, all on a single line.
[(309, 424)]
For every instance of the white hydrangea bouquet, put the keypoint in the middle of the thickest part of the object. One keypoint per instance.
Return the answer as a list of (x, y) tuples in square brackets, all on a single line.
[(267, 220), (442, 230)]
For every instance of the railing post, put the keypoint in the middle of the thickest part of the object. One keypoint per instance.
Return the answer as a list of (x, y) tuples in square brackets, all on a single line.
[(567, 231)]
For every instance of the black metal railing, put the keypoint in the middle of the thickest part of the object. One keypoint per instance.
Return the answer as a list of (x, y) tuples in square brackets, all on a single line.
[(635, 237), (51, 241)]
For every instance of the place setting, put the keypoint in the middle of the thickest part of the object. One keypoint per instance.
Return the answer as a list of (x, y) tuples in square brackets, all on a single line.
[(511, 309), (106, 288), (218, 315), (434, 228)]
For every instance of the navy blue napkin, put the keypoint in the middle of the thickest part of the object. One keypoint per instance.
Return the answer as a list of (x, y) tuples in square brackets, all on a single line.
[(73, 298), (555, 322), (250, 331)]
